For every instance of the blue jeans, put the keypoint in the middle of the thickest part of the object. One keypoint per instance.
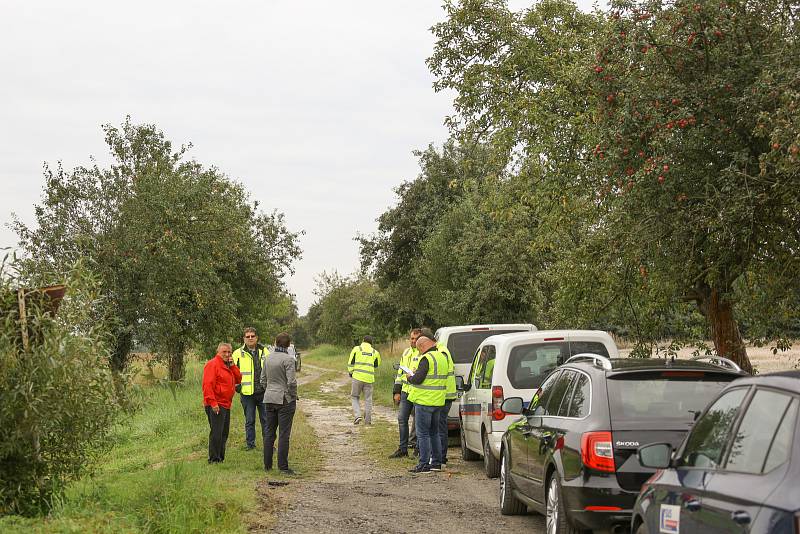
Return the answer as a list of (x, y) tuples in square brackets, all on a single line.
[(251, 403), (403, 415), (443, 429), (428, 442)]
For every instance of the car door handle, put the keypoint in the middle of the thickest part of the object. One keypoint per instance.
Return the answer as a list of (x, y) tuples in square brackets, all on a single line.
[(741, 517), (692, 505)]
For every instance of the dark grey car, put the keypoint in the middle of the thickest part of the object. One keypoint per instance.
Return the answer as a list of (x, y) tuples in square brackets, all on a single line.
[(738, 470)]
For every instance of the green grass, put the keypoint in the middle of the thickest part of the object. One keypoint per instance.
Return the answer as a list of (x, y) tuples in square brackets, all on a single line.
[(335, 359), (156, 477)]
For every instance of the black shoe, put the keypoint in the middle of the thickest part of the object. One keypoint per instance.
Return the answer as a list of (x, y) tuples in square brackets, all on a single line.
[(287, 472), (399, 454), (444, 461), (420, 469), (250, 447), (436, 467)]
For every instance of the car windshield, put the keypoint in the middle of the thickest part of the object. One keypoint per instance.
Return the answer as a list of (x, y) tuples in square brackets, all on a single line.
[(666, 395), (462, 345)]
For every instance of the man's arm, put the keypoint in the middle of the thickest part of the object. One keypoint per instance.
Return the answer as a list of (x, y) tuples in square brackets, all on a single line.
[(377, 359), (263, 377), (421, 373), (291, 377), (209, 375)]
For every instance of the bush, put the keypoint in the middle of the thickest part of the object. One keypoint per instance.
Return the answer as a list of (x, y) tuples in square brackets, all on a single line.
[(58, 397)]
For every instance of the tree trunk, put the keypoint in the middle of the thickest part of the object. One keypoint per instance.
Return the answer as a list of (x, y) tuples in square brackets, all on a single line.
[(121, 350), (724, 328), (176, 366)]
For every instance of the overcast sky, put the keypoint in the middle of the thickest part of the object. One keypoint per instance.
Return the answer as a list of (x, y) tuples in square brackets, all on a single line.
[(315, 106)]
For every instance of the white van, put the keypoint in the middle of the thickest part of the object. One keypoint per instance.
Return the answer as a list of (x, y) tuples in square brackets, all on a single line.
[(514, 365), (462, 341)]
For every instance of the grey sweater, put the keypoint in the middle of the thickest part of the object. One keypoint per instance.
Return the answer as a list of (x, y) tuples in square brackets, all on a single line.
[(278, 378)]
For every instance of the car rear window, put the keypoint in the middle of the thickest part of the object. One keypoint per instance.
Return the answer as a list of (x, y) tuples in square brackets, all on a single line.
[(529, 365), (665, 395), (462, 345)]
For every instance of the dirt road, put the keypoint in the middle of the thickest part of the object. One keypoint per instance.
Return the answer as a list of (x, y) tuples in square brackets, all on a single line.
[(354, 494)]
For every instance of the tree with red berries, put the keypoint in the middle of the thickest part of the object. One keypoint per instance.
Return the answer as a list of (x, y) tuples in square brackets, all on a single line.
[(697, 161)]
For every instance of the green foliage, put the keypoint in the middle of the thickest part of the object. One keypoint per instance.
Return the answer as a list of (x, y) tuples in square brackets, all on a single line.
[(58, 398), (183, 254), (343, 313), (155, 477)]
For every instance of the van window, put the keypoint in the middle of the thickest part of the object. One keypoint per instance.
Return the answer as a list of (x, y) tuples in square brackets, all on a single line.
[(462, 345), (485, 366), (529, 365)]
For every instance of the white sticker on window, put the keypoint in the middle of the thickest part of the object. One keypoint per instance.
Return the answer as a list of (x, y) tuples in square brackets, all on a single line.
[(669, 519)]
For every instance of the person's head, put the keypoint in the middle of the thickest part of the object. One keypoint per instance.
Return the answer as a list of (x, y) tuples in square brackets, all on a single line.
[(250, 337), (413, 336), (283, 340), (224, 351), (367, 339), (426, 339)]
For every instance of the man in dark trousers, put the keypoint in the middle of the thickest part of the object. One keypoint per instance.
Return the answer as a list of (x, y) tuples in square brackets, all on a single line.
[(220, 377), (280, 400), (249, 358)]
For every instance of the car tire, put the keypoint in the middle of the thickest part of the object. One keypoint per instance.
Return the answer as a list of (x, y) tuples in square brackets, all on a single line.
[(466, 454), (555, 514), (509, 504), (490, 464)]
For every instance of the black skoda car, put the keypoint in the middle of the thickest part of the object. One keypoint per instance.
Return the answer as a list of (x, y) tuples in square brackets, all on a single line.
[(738, 469), (572, 454)]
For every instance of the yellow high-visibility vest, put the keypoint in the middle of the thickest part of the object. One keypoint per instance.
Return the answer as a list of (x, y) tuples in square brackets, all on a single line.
[(433, 389), (363, 358)]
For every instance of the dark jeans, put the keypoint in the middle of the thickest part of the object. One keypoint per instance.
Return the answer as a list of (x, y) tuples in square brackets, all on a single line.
[(251, 403), (220, 424), (427, 422), (443, 429), (279, 421), (406, 409)]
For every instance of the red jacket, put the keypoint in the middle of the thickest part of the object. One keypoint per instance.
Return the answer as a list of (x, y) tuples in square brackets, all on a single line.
[(219, 382)]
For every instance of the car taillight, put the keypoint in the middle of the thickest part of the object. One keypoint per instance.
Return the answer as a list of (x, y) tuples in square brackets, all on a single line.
[(597, 452), (497, 401)]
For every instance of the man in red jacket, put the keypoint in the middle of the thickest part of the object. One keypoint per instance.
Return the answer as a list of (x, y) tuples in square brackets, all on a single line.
[(220, 377)]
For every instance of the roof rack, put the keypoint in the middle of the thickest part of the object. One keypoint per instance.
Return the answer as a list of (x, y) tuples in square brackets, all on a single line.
[(719, 360), (599, 361)]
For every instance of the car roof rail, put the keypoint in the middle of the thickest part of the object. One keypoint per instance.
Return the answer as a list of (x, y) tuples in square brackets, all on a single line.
[(599, 361), (719, 360)]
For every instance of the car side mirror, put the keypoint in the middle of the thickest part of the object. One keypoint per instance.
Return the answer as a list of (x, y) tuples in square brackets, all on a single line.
[(460, 385), (655, 455), (512, 405)]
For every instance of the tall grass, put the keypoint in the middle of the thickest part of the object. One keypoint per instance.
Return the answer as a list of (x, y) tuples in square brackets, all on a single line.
[(156, 477)]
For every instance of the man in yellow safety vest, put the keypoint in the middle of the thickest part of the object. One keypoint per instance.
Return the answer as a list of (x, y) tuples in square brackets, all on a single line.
[(450, 395), (400, 393), (428, 389), (249, 358), (364, 359)]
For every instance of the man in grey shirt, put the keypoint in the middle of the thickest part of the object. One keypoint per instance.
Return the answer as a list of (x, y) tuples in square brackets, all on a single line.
[(280, 401)]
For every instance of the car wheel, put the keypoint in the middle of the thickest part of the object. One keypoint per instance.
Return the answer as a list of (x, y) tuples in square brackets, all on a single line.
[(490, 463), (509, 504), (556, 516), (466, 454)]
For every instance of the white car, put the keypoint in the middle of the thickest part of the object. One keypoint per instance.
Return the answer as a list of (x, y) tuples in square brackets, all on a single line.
[(514, 365), (462, 341)]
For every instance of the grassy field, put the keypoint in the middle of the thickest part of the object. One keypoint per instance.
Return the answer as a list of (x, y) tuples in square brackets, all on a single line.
[(156, 477)]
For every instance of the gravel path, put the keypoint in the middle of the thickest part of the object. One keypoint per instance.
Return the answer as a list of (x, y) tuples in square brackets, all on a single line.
[(353, 494)]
